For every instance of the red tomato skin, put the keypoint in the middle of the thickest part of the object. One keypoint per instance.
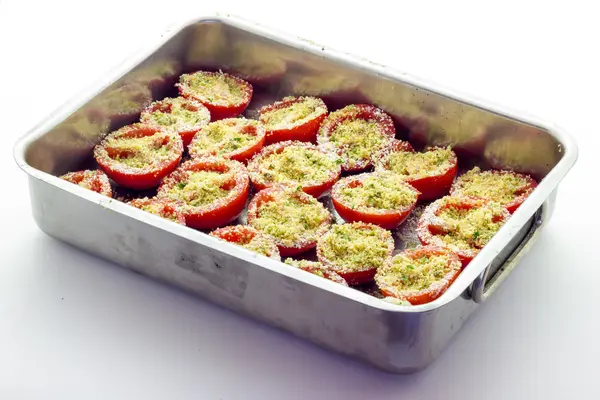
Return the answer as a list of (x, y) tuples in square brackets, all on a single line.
[(387, 219), (241, 234), (426, 236), (431, 187), (243, 155), (306, 132), (431, 293), (516, 203), (246, 155), (358, 111), (360, 277), (186, 135), (218, 111), (168, 207), (315, 190), (302, 133), (211, 217), (355, 277), (219, 217), (139, 180), (285, 251), (100, 181)]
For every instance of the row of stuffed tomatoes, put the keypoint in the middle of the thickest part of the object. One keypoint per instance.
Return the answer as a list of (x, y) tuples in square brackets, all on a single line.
[(295, 144)]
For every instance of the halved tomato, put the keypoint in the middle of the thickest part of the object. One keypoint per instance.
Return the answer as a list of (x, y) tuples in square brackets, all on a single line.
[(430, 172), (463, 225), (355, 133), (139, 156), (186, 116), (295, 163), (507, 188), (294, 219), (210, 192), (293, 118), (164, 208), (223, 94), (316, 268), (236, 138), (249, 238), (94, 180), (355, 251), (419, 275), (380, 198)]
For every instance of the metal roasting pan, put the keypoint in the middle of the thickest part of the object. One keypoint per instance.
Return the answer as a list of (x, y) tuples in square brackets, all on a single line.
[(392, 337)]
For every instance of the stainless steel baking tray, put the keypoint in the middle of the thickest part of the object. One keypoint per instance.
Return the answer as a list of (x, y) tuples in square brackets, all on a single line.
[(396, 338)]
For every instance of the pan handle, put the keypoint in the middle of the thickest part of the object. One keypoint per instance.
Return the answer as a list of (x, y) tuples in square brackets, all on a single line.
[(483, 288)]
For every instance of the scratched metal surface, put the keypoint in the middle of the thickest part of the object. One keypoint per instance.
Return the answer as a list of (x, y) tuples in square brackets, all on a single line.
[(391, 337)]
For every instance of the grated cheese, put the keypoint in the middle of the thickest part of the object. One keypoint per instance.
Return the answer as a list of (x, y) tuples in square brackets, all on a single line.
[(291, 218), (94, 180), (292, 114), (201, 188), (356, 247), (215, 88), (500, 186), (156, 208), (375, 191), (179, 113), (142, 152), (225, 136), (357, 139), (261, 244), (413, 274), (297, 163), (467, 228), (248, 238), (415, 165)]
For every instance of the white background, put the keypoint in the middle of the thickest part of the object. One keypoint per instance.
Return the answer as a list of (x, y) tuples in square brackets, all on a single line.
[(76, 327)]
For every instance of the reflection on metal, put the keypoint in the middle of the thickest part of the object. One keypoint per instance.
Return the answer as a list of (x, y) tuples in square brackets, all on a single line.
[(392, 337), (70, 143)]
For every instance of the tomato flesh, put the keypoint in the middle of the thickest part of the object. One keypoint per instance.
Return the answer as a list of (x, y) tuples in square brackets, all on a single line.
[(386, 218), (212, 141), (360, 273), (243, 235), (162, 207), (94, 180), (223, 94), (274, 193), (431, 186), (315, 188), (357, 152), (520, 196), (156, 154), (303, 130), (164, 114), (215, 213), (430, 293), (429, 225)]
